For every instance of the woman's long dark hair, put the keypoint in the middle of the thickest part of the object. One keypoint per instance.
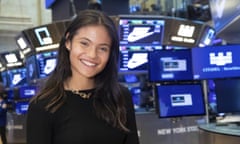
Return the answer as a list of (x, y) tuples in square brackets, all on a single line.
[(108, 97)]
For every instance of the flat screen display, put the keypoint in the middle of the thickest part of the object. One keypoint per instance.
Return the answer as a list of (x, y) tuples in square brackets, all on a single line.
[(5, 79), (11, 94), (17, 77), (131, 78), (207, 37), (133, 61), (183, 32), (227, 95), (32, 69), (46, 63), (23, 43), (45, 37), (21, 107), (141, 31), (180, 100), (214, 62), (26, 92), (170, 65)]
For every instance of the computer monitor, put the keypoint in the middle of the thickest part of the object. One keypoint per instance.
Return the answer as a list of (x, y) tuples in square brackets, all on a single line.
[(141, 30), (133, 61), (46, 63), (227, 95), (21, 107), (170, 65), (216, 62), (180, 100), (17, 77), (27, 92), (207, 37), (5, 78), (32, 69)]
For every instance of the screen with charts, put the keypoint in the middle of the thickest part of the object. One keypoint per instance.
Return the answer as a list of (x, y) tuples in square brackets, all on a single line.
[(17, 77), (141, 31), (213, 62), (46, 63), (180, 100), (170, 65), (133, 61)]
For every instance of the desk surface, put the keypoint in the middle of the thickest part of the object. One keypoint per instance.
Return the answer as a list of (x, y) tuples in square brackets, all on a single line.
[(225, 128)]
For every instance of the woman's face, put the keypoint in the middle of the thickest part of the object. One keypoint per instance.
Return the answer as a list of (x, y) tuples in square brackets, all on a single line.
[(89, 51)]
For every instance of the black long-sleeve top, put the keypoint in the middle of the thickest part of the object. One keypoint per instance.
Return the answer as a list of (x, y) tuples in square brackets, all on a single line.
[(76, 123)]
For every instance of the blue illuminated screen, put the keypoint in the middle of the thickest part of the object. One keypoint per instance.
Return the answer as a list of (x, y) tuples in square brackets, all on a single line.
[(170, 65), (207, 37), (227, 95), (180, 100), (46, 63), (216, 62), (31, 66), (5, 79), (21, 107), (27, 91), (141, 31), (17, 77), (135, 61)]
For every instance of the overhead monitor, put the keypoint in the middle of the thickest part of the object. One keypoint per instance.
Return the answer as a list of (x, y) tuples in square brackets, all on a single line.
[(133, 61), (23, 43), (180, 100), (170, 65), (214, 62), (32, 69), (12, 58), (142, 31), (183, 32), (46, 63), (5, 78), (207, 37), (21, 107), (228, 95), (45, 37), (27, 92), (17, 77)]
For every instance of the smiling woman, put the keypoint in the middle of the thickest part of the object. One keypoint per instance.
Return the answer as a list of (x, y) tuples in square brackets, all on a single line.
[(82, 101), (89, 53)]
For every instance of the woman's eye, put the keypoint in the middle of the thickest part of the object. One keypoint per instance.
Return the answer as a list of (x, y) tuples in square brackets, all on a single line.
[(84, 43), (105, 49)]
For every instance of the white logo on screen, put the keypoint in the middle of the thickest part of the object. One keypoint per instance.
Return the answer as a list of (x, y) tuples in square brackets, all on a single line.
[(220, 59), (29, 92), (139, 33), (43, 36), (186, 30), (137, 59), (170, 64), (16, 79), (181, 99), (50, 65)]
